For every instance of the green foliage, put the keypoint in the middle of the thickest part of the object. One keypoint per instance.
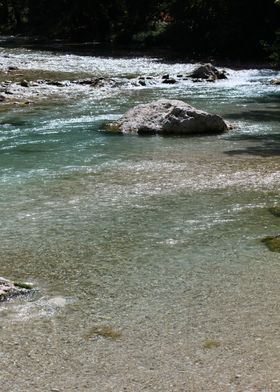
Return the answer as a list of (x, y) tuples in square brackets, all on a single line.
[(217, 27), (274, 48)]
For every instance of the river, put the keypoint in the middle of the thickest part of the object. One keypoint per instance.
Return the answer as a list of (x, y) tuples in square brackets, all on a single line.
[(145, 251)]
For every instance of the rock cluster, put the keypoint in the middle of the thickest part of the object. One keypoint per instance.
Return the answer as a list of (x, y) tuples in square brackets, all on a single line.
[(168, 117), (205, 72), (23, 86)]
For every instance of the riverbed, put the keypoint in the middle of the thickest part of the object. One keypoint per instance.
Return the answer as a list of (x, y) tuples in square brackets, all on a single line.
[(146, 251)]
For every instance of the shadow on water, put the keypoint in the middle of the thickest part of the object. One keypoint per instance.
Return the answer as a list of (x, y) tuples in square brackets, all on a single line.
[(262, 145)]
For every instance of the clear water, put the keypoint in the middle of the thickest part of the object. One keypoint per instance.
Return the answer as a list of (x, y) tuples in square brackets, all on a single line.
[(157, 238)]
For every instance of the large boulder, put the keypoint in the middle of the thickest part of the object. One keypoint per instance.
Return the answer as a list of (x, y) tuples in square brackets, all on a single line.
[(168, 117), (10, 289), (208, 72)]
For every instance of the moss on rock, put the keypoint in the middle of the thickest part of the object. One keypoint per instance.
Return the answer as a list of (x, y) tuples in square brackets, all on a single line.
[(10, 289), (275, 211), (209, 344), (105, 331), (272, 243)]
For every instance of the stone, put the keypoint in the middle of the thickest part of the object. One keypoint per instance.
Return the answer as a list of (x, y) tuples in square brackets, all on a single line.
[(169, 81), (208, 72), (10, 289), (272, 243), (142, 82), (56, 83), (96, 82), (24, 83), (172, 117), (274, 211), (276, 82), (13, 68)]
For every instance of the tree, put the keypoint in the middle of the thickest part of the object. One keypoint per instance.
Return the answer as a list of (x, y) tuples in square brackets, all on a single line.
[(274, 48)]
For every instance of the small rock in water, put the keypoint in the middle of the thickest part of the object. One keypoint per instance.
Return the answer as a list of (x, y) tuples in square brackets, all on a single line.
[(169, 81), (142, 82), (10, 289), (13, 68), (96, 82), (55, 83), (24, 83), (208, 72), (276, 82), (274, 211), (272, 243)]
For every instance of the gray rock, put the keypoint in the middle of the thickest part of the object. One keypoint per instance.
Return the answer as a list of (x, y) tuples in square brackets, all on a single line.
[(168, 117), (56, 83), (24, 83), (97, 82), (208, 72), (13, 68), (276, 82), (142, 82), (169, 81), (10, 289)]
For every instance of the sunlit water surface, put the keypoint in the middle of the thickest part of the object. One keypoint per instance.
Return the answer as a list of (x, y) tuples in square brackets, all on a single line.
[(156, 238)]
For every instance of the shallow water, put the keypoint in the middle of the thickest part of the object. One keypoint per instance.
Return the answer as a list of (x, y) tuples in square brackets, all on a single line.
[(157, 238)]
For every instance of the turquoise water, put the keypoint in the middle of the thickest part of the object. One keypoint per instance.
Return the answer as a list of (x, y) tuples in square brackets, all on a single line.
[(157, 238)]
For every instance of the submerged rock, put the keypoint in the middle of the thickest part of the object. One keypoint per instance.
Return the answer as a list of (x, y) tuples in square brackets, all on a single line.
[(208, 72), (10, 289), (274, 211), (272, 243), (168, 117)]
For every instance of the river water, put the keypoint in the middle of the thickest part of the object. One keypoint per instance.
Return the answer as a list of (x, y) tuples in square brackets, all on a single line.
[(145, 251)]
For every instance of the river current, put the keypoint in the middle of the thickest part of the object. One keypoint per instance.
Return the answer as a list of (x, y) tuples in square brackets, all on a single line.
[(145, 251)]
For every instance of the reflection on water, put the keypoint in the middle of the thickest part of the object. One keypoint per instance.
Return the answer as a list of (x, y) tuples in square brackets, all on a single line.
[(158, 238)]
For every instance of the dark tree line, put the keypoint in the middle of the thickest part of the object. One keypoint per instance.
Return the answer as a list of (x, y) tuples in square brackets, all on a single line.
[(199, 27)]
